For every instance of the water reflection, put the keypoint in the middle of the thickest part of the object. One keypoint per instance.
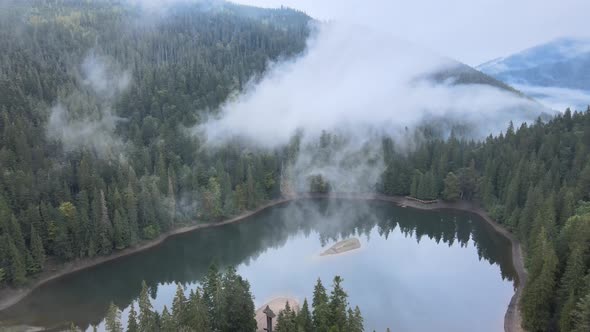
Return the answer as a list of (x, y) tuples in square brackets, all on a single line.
[(274, 251)]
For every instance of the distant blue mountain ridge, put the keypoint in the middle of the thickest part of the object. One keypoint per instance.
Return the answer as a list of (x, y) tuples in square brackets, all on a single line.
[(562, 63)]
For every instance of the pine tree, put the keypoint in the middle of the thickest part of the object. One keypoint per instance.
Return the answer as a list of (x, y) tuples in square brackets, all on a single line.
[(338, 304), (168, 323), (198, 317), (212, 296), (250, 189), (304, 320), (37, 251), (179, 307), (16, 268), (113, 319), (119, 231), (237, 304), (566, 322), (132, 325), (536, 301), (212, 199), (321, 310), (581, 315), (147, 319), (131, 206), (451, 192), (358, 325), (287, 320), (171, 198)]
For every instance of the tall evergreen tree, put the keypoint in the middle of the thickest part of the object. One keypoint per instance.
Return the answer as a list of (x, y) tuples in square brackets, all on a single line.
[(147, 318), (132, 325), (304, 319), (113, 319), (338, 305), (321, 310), (37, 250)]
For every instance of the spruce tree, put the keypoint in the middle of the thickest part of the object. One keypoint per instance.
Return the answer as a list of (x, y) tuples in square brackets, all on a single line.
[(304, 320), (237, 305), (179, 307), (338, 305), (581, 316), (167, 322), (132, 325), (451, 191), (147, 319), (17, 269), (197, 312), (539, 291), (212, 296), (287, 320), (113, 319), (37, 250), (321, 310)]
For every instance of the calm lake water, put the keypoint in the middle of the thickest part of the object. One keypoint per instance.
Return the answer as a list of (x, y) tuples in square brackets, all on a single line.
[(416, 270)]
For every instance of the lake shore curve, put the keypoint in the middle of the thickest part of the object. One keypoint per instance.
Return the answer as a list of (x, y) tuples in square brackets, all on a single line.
[(512, 318)]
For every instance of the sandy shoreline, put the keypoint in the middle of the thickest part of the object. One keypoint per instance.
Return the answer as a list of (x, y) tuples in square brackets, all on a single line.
[(512, 319)]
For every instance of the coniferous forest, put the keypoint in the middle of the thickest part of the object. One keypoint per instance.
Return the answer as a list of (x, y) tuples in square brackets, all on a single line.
[(225, 304), (74, 74)]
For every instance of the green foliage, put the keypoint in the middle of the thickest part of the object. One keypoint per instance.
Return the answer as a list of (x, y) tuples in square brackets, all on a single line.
[(37, 251), (536, 301), (132, 325), (234, 308), (329, 314), (533, 180), (82, 200), (451, 191), (237, 306), (113, 319), (287, 320), (147, 317), (338, 305), (321, 310), (304, 318), (581, 316)]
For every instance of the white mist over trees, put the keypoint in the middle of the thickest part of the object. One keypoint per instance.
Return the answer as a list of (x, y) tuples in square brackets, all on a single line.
[(83, 116), (352, 86)]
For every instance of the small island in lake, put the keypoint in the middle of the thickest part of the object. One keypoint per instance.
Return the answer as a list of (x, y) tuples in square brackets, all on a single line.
[(343, 246)]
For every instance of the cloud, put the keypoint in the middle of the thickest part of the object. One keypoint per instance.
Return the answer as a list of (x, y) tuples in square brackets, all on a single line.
[(361, 84), (83, 119), (103, 76), (354, 78), (557, 98), (95, 134), (159, 6)]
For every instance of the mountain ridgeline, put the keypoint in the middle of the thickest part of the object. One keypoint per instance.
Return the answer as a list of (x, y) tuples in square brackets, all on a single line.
[(96, 102), (563, 62)]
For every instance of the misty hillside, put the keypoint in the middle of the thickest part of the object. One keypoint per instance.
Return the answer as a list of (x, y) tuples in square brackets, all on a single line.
[(563, 63), (96, 98), (464, 74)]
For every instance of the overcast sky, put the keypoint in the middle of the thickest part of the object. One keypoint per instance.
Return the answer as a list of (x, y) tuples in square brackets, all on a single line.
[(472, 31)]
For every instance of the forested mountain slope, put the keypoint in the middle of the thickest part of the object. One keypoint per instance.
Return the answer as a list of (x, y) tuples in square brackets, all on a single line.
[(95, 155), (95, 99), (535, 180)]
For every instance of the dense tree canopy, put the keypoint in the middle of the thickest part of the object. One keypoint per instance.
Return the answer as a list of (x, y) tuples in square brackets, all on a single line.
[(533, 180), (96, 98), (72, 69)]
